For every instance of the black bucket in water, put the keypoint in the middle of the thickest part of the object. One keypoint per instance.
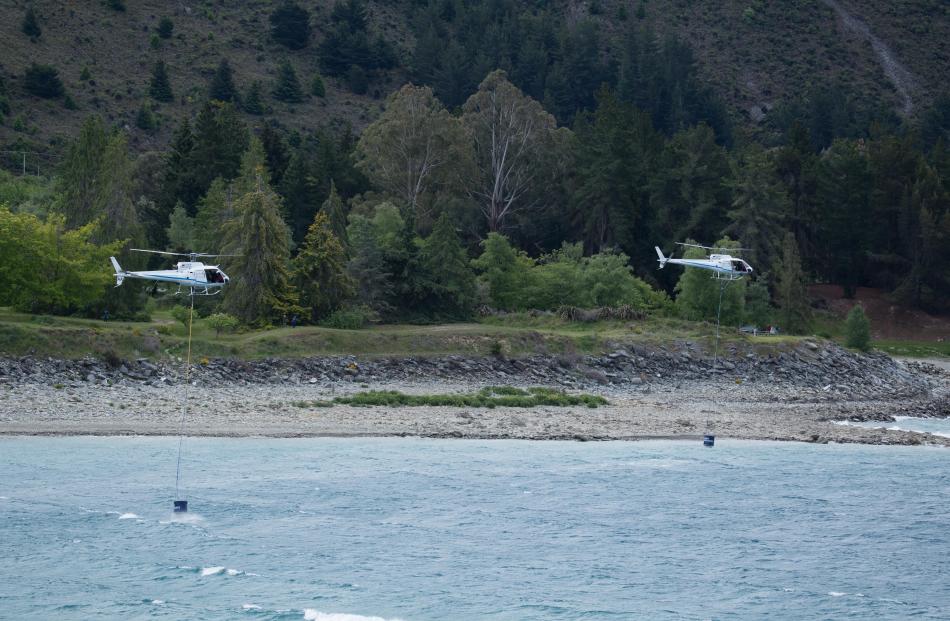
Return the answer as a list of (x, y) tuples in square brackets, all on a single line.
[(181, 506), (709, 440)]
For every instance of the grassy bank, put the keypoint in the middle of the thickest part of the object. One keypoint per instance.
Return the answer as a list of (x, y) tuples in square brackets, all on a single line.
[(513, 335)]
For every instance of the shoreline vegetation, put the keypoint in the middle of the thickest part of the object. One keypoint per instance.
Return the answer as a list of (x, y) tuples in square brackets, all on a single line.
[(648, 379)]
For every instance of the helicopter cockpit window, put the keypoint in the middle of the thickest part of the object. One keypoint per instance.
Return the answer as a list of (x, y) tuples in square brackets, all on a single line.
[(737, 265), (214, 276)]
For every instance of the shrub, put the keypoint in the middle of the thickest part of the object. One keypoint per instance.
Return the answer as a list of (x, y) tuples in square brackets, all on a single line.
[(223, 322), (165, 27), (69, 103), (356, 80), (145, 119), (116, 5), (30, 25), (317, 88), (857, 329), (182, 314), (352, 318), (43, 81)]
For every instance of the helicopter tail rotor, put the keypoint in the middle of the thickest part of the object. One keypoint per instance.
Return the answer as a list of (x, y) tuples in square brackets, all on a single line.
[(119, 274), (662, 259)]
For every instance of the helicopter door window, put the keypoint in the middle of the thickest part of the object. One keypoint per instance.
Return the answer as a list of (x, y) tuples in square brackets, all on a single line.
[(737, 266), (214, 276)]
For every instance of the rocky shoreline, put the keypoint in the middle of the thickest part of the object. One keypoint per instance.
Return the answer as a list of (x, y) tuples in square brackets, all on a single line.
[(782, 392)]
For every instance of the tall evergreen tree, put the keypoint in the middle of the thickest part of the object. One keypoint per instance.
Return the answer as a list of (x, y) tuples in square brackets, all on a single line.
[(179, 183), (335, 211), (80, 173), (688, 192), (160, 87), (447, 283), (617, 147), (300, 202), (790, 294), (759, 204), (320, 270), (214, 209), (261, 291), (367, 266), (844, 193), (221, 138), (287, 88), (221, 87), (277, 152), (181, 230)]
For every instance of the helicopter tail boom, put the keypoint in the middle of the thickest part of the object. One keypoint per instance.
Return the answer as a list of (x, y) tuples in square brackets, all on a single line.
[(119, 274)]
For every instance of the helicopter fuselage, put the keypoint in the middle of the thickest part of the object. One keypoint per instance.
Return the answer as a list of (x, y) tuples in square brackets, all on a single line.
[(192, 274), (725, 266)]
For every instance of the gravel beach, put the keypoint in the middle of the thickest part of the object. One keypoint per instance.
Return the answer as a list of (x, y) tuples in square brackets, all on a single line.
[(795, 394)]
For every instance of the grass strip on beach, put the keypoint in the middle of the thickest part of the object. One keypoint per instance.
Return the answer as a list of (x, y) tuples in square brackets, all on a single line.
[(488, 397)]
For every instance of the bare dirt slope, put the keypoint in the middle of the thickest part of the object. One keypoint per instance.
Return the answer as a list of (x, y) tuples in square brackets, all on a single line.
[(888, 319)]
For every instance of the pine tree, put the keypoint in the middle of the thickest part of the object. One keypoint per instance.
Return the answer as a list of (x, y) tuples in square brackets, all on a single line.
[(254, 175), (118, 221), (290, 25), (759, 203), (31, 25), (298, 193), (367, 266), (277, 153), (214, 209), (80, 173), (260, 292), (179, 183), (447, 282), (221, 138), (844, 194), (857, 329), (253, 100), (790, 294), (222, 86), (335, 210), (320, 270), (181, 230), (160, 87), (287, 88)]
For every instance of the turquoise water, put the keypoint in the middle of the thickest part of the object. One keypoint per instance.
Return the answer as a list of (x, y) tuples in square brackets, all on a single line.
[(456, 530)]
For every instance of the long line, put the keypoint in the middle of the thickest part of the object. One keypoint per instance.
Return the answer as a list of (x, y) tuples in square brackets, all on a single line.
[(722, 286), (184, 406)]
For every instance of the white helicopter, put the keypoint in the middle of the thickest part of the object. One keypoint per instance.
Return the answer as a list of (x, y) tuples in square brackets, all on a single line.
[(724, 266), (200, 279)]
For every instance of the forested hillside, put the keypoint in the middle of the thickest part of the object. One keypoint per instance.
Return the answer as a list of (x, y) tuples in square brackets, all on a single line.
[(422, 160)]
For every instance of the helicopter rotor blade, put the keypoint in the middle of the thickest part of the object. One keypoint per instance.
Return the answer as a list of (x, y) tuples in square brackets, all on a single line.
[(174, 254)]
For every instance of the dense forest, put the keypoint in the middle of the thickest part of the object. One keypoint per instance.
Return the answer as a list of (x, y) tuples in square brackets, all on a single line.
[(525, 164)]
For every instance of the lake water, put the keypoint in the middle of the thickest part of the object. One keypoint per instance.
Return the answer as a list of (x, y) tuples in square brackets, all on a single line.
[(355, 529)]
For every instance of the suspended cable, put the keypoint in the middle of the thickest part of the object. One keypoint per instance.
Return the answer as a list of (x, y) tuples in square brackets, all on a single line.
[(182, 505)]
